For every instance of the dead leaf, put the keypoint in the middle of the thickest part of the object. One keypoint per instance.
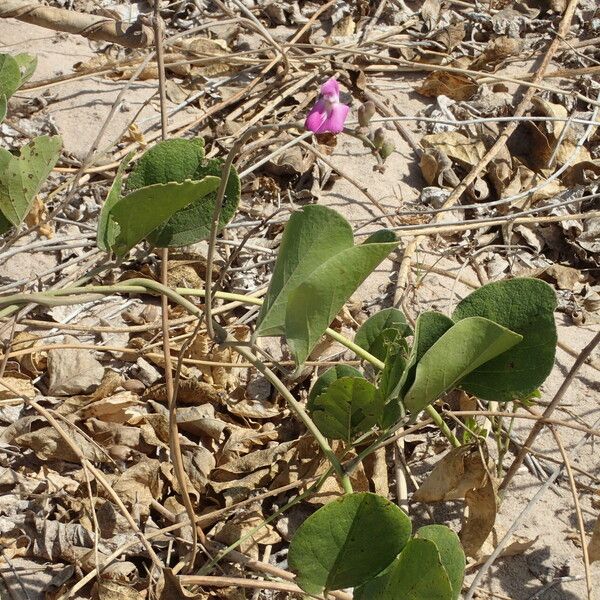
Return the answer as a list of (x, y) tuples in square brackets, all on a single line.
[(191, 391), (496, 52), (18, 382), (594, 544), (37, 217), (73, 371), (481, 516), (112, 409), (458, 147), (456, 86), (33, 362), (171, 589)]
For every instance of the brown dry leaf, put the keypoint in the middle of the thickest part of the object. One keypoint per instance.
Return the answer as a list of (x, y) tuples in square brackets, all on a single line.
[(135, 134), (377, 472), (481, 516), (430, 13), (33, 362), (594, 544), (565, 278), (453, 476), (37, 217), (18, 382), (171, 589), (239, 526), (105, 589), (496, 52), (345, 27), (515, 548), (191, 391), (582, 173), (456, 146), (455, 86), (451, 36), (112, 409), (48, 444), (73, 371), (437, 168)]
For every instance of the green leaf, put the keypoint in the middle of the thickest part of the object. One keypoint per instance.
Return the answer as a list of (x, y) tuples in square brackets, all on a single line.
[(311, 237), (347, 542), (23, 176), (179, 160), (106, 227), (3, 107), (467, 345), (193, 223), (27, 66), (167, 161), (136, 215), (430, 326), (327, 378), (525, 306), (451, 553), (348, 407), (381, 329), (10, 75), (313, 305), (417, 574)]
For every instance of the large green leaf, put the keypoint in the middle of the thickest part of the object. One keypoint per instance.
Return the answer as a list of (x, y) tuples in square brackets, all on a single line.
[(451, 553), (23, 176), (313, 305), (327, 378), (417, 574), (311, 237), (380, 330), (525, 306), (136, 215), (348, 407), (179, 160), (106, 227), (347, 542), (10, 75), (430, 326), (467, 345), (193, 223)]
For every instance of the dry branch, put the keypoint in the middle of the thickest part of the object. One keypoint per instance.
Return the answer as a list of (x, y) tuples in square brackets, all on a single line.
[(93, 27)]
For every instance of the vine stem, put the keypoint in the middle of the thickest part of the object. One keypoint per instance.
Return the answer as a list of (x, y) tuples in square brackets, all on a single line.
[(141, 286)]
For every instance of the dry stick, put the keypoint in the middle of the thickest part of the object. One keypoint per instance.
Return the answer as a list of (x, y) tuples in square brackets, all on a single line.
[(580, 523), (495, 149), (98, 475), (92, 27), (535, 430), (174, 444)]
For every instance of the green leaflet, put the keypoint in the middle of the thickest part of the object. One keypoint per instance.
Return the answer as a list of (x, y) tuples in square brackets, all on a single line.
[(526, 306), (179, 160), (10, 75), (380, 330), (417, 574), (21, 177), (313, 305), (136, 215), (327, 378), (311, 237), (347, 542), (348, 407), (451, 553), (106, 227), (467, 345)]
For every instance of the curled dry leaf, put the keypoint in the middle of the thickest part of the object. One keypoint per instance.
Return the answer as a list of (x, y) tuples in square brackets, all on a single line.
[(441, 83), (457, 146), (462, 473), (18, 382), (33, 362)]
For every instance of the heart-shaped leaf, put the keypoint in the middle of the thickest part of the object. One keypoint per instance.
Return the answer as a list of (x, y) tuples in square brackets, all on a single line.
[(451, 553), (22, 177), (417, 574), (347, 542), (179, 160), (467, 345), (348, 407), (327, 378), (135, 216), (525, 306), (380, 330), (313, 305), (311, 237)]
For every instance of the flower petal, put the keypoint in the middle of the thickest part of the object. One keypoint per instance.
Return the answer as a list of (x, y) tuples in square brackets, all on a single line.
[(331, 88), (334, 123), (316, 117)]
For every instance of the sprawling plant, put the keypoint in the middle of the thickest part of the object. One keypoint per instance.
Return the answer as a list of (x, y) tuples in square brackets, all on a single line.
[(498, 344)]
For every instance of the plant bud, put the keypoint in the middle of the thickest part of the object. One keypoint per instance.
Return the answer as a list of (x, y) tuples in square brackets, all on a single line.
[(379, 137), (365, 113), (386, 149)]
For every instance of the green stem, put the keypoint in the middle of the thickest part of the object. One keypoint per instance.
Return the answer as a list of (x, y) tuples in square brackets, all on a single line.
[(141, 286)]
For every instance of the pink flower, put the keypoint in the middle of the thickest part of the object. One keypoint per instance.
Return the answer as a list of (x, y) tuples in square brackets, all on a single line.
[(328, 114)]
